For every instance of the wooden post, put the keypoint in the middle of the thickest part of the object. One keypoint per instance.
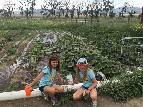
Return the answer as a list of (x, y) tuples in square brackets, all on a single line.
[(142, 16)]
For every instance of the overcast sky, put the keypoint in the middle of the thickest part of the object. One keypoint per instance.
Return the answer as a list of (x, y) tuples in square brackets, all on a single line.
[(117, 3)]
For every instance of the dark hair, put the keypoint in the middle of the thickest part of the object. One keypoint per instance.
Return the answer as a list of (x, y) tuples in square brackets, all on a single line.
[(54, 58)]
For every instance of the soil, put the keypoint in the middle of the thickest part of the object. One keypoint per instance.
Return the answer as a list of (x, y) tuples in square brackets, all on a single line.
[(103, 101), (5, 49)]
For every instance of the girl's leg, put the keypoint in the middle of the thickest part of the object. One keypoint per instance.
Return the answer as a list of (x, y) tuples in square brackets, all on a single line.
[(49, 90), (93, 95), (57, 88), (77, 95)]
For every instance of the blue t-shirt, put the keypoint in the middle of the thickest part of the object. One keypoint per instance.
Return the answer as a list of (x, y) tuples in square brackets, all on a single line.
[(90, 75), (48, 78)]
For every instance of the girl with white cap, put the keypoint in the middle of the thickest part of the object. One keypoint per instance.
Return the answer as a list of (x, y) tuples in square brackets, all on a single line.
[(87, 76)]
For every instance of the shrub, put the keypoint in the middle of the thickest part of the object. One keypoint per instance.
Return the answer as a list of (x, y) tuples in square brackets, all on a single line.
[(125, 86)]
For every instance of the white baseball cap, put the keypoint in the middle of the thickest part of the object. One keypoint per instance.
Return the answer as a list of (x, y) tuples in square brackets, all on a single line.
[(82, 61)]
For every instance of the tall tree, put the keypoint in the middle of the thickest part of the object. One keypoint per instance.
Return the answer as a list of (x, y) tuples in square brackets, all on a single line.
[(124, 9), (79, 7), (66, 4), (21, 10), (108, 7), (50, 6), (8, 8), (29, 6)]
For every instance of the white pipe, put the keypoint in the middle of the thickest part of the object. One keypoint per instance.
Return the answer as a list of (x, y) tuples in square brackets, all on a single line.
[(21, 94), (18, 94), (132, 38)]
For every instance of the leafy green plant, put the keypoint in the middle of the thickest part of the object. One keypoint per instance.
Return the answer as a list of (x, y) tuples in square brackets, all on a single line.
[(124, 87), (36, 53), (70, 48), (1, 45), (11, 87), (11, 50), (8, 37)]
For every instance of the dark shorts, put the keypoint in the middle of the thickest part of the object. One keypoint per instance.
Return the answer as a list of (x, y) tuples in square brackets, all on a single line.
[(83, 87), (42, 88)]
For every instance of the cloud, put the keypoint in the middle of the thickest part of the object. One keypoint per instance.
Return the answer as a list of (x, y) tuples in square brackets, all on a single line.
[(134, 3), (117, 3)]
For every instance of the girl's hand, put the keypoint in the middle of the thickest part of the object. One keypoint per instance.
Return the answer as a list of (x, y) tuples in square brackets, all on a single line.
[(71, 84), (87, 91), (30, 87), (84, 92), (62, 80)]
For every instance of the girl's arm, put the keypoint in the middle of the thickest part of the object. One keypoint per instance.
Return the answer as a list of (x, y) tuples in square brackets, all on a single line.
[(74, 81), (93, 85), (59, 77), (37, 79)]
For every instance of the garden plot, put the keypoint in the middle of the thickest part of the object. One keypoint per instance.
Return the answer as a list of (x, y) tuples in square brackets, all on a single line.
[(26, 55), (101, 46)]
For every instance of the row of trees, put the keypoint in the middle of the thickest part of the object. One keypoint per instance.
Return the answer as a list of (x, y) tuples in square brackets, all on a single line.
[(63, 8), (26, 8)]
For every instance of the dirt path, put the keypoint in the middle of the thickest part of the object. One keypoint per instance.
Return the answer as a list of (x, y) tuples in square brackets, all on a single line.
[(102, 102)]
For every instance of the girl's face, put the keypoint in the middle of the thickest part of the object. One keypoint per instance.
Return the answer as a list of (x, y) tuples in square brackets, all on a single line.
[(82, 68), (54, 64)]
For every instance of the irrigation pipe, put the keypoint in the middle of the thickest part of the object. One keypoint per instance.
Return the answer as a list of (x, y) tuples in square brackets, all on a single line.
[(13, 95)]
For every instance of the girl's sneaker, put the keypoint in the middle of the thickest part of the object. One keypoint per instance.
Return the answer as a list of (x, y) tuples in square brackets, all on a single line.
[(45, 95), (54, 101), (94, 103)]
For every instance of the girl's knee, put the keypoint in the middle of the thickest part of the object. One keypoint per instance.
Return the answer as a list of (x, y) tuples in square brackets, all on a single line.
[(93, 97), (93, 94), (75, 97), (61, 89), (51, 90)]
